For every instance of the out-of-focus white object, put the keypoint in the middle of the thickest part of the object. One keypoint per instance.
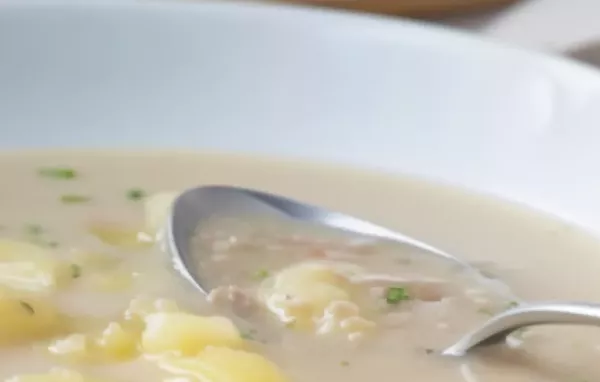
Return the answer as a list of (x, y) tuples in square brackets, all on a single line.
[(588, 53), (541, 24), (370, 92)]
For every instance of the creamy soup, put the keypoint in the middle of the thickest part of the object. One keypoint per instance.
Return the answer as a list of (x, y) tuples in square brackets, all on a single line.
[(87, 294)]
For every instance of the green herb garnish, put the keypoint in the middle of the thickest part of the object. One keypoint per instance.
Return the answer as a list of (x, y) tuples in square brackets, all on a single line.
[(27, 307), (261, 274), (75, 271), (34, 229), (136, 194), (63, 173), (345, 363), (512, 304), (395, 295), (486, 311), (248, 334), (35, 234), (290, 324), (74, 199), (251, 335), (43, 243)]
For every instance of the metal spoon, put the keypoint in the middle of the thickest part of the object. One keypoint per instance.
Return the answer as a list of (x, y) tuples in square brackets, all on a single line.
[(196, 206), (499, 327)]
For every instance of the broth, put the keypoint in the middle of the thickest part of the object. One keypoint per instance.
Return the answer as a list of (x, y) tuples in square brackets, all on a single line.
[(87, 215)]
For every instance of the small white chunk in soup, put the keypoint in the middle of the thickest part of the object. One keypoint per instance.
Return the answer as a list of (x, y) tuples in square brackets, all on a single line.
[(87, 294)]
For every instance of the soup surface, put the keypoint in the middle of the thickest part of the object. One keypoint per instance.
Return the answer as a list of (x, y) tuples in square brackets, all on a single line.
[(87, 294)]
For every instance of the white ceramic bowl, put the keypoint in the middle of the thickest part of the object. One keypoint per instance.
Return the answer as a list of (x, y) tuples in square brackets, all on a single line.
[(372, 92)]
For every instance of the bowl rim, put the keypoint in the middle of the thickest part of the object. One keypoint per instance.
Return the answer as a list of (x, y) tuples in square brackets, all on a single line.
[(322, 14)]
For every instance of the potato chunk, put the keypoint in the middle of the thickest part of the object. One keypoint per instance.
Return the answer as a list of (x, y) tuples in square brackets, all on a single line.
[(27, 319), (317, 296), (300, 294), (119, 236), (28, 267), (116, 280), (218, 364), (118, 343), (157, 208), (74, 347), (187, 334), (115, 343), (141, 306)]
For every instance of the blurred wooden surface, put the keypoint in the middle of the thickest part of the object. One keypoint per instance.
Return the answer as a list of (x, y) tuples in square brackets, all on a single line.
[(415, 8)]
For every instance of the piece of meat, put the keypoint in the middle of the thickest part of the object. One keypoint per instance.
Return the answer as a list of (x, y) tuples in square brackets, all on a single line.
[(239, 301)]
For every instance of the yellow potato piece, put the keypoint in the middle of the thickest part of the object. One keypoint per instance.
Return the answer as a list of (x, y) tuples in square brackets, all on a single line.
[(28, 267), (157, 208), (56, 375), (141, 306), (299, 295), (299, 306), (119, 236), (118, 343), (96, 261), (74, 347), (187, 334), (219, 364), (318, 294), (28, 319), (311, 272), (117, 280)]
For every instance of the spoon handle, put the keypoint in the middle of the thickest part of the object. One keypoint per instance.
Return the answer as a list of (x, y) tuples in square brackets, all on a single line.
[(499, 327)]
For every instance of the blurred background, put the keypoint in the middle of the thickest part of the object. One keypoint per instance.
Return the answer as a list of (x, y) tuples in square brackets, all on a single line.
[(555, 25), (560, 26), (414, 8)]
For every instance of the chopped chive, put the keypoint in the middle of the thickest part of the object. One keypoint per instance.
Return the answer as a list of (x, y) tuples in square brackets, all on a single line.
[(251, 335), (74, 199), (345, 363), (34, 229), (136, 194), (290, 324), (52, 244), (27, 307), (75, 271), (395, 295), (486, 311), (44, 243), (248, 334), (261, 274), (512, 304), (63, 173)]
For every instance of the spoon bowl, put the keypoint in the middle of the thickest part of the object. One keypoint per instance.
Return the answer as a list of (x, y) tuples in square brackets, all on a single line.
[(196, 206)]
